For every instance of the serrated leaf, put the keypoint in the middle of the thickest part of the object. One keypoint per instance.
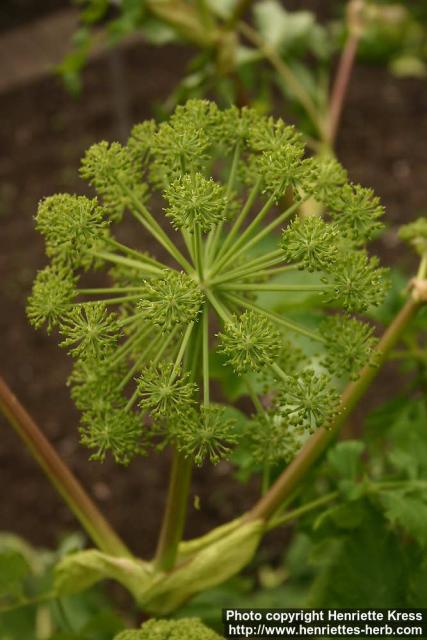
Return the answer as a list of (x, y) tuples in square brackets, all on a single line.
[(400, 427), (344, 459), (418, 586), (367, 569), (344, 516), (407, 512)]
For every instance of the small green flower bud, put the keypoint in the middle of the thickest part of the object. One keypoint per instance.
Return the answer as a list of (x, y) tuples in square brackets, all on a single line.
[(357, 212), (117, 178), (357, 282), (112, 430)]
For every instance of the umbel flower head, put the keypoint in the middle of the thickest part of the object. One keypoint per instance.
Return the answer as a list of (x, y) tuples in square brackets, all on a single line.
[(415, 233), (53, 292), (194, 201), (274, 439), (250, 342), (165, 393), (224, 256), (312, 243), (73, 228), (208, 435), (182, 629), (170, 301), (349, 344), (308, 400)]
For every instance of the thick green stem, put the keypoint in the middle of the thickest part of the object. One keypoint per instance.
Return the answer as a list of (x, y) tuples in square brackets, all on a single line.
[(175, 512), (318, 442), (61, 477), (206, 356), (179, 483)]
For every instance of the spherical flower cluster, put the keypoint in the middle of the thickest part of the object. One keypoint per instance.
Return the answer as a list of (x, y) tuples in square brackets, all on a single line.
[(174, 300), (249, 342)]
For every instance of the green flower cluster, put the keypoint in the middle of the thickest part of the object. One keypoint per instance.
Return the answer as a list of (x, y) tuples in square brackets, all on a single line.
[(182, 629), (142, 342)]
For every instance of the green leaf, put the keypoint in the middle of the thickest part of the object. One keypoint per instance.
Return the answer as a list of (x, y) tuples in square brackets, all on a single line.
[(400, 425), (407, 512), (13, 570), (347, 516), (280, 28), (408, 66), (418, 586), (366, 569), (345, 459)]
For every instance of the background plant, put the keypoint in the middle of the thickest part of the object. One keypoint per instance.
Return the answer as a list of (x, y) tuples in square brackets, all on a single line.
[(249, 51)]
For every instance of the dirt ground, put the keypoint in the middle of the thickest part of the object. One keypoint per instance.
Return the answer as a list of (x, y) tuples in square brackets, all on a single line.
[(43, 134)]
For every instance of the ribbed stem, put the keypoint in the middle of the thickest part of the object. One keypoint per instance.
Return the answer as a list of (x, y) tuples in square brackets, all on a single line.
[(175, 512)]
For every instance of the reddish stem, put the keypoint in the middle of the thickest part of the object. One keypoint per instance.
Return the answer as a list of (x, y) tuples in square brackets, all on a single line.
[(345, 66), (60, 475)]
